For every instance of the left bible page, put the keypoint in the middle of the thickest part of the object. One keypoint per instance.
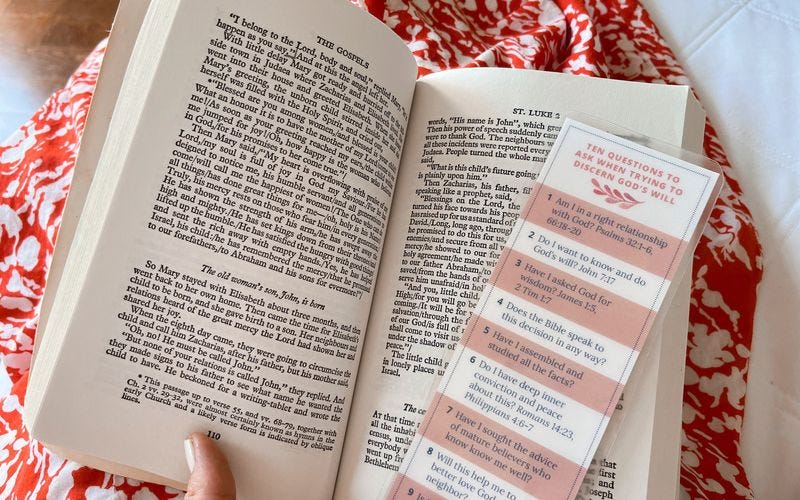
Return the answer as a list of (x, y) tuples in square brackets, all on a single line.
[(222, 271)]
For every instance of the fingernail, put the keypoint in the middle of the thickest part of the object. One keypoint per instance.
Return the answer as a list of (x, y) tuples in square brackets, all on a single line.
[(188, 449)]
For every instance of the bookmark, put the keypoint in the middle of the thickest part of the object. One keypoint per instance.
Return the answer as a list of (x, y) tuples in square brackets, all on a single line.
[(527, 396)]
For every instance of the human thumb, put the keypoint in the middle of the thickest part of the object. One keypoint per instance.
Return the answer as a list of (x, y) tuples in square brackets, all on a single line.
[(211, 477)]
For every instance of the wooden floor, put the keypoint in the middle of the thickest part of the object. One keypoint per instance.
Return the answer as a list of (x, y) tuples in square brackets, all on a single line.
[(41, 43)]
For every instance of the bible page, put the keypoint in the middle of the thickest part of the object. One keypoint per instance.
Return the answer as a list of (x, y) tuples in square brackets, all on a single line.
[(228, 280), (477, 139)]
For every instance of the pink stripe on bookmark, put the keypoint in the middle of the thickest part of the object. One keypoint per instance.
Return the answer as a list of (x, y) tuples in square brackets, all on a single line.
[(531, 360)]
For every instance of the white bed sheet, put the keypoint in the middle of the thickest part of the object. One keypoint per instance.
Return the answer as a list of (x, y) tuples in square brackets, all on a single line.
[(742, 57)]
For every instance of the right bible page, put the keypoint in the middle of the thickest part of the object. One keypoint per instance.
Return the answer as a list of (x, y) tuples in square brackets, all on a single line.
[(476, 141)]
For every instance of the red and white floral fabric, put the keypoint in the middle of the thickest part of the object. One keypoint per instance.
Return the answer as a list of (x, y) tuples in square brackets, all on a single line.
[(601, 38)]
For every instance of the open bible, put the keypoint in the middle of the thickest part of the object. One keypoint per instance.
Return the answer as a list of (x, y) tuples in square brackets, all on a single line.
[(276, 233)]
